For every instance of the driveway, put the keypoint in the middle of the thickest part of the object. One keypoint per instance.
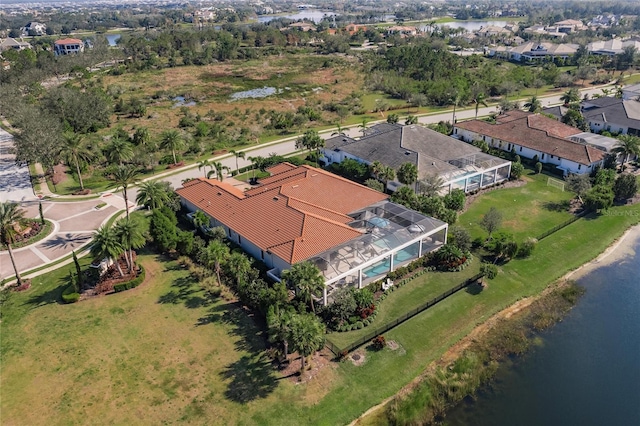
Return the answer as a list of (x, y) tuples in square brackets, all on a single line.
[(15, 181), (74, 224)]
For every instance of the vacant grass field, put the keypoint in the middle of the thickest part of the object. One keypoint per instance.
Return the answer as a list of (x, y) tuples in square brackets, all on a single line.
[(527, 211), (163, 353)]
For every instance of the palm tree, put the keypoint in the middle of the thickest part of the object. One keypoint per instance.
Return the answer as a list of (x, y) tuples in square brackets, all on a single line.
[(141, 136), (203, 165), (200, 220), (306, 279), (534, 104), (411, 119), (171, 140), (218, 168), (376, 167), (480, 100), (152, 194), (129, 232), (363, 126), (339, 131), (119, 151), (306, 336), (430, 186), (75, 151), (628, 146), (217, 252), (408, 173), (570, 96), (125, 176), (456, 102), (239, 266), (107, 244), (10, 214), (279, 324), (387, 174), (238, 154)]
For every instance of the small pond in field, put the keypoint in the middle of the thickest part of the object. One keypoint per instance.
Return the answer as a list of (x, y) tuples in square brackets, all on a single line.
[(261, 92), (181, 101)]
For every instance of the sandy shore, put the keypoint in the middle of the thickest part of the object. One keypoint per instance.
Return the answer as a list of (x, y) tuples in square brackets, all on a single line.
[(623, 247)]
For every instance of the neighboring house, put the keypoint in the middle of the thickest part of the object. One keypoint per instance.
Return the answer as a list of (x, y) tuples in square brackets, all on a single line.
[(68, 46), (402, 30), (631, 92), (11, 43), (569, 26), (533, 135), (354, 234), (557, 111), (535, 52), (34, 28), (352, 29), (612, 115), (611, 47), (302, 26), (459, 165), (493, 31)]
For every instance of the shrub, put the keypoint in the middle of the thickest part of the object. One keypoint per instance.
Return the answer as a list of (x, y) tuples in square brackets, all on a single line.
[(517, 169), (379, 342), (538, 167), (527, 247), (359, 325), (130, 284), (70, 294)]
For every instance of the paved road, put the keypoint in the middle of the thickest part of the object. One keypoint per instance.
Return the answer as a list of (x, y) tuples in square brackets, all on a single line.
[(15, 181)]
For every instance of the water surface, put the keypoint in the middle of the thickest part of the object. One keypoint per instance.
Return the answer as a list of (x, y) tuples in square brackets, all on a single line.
[(587, 371)]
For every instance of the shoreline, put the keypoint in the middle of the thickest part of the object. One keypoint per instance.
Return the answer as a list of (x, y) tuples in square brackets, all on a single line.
[(618, 250)]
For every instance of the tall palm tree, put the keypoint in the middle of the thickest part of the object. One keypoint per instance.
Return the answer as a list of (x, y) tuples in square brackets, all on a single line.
[(628, 146), (152, 194), (107, 244), (129, 232), (480, 99), (142, 136), (172, 141), (125, 176), (218, 170), (10, 214), (238, 154), (456, 102), (217, 253), (119, 151), (306, 336), (534, 104), (239, 267), (339, 131), (571, 95), (306, 279), (75, 150), (387, 174), (376, 167), (363, 126), (411, 119), (203, 165), (407, 173)]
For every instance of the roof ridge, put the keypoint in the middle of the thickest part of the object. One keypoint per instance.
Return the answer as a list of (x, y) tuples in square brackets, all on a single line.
[(314, 205)]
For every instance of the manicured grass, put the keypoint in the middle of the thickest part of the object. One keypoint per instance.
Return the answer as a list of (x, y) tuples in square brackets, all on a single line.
[(407, 298), (167, 351), (527, 211)]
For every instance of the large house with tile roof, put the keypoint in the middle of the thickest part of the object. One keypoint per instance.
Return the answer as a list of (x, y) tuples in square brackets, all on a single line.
[(459, 165), (68, 46), (534, 136), (354, 234)]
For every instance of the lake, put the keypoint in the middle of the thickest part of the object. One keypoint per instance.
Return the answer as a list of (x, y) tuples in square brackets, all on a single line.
[(112, 39), (469, 26), (310, 15), (585, 372)]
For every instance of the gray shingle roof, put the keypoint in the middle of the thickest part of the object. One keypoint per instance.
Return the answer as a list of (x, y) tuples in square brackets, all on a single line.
[(612, 110)]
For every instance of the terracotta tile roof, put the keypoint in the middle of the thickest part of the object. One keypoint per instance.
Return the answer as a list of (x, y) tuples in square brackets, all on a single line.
[(280, 168), (68, 41), (297, 214), (536, 132)]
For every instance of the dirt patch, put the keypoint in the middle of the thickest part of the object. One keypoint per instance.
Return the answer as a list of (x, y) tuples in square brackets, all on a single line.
[(358, 357), (59, 174), (393, 345), (319, 362)]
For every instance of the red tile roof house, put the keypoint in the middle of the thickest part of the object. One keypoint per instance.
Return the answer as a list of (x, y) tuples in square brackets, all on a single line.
[(354, 234), (67, 46), (530, 135)]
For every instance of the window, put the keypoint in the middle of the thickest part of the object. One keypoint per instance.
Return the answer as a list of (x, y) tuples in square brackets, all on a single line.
[(579, 166), (239, 239), (455, 131), (262, 254), (520, 149), (551, 156), (542, 156)]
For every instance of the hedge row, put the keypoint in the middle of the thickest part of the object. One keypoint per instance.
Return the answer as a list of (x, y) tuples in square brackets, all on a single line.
[(130, 284), (70, 294)]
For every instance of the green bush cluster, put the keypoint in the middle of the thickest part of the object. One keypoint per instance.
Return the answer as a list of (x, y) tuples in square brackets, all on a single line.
[(131, 284), (70, 294)]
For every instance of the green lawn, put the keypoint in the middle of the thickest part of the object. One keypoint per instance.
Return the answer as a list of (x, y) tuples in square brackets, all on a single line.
[(527, 211), (406, 298), (163, 353)]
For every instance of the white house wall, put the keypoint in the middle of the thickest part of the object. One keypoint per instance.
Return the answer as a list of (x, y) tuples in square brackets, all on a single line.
[(567, 165)]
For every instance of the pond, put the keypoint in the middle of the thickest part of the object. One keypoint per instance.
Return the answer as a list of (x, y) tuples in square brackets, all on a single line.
[(261, 92), (469, 26), (112, 39), (180, 101), (310, 15)]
